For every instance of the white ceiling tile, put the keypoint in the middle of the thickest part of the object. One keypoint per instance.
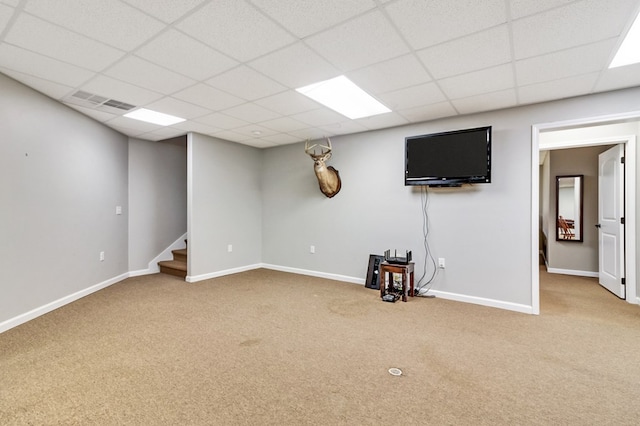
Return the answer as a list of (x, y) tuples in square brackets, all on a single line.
[(481, 50), (390, 75), (619, 78), (53, 41), (185, 55), (311, 16), (194, 126), (295, 66), (283, 124), (97, 115), (281, 139), (121, 91), (428, 112), (49, 88), (251, 112), (556, 89), (258, 143), (288, 103), (109, 21), (380, 121), (232, 136), (208, 97), (163, 133), (567, 63), (251, 130), (486, 102), (246, 83), (427, 23), (130, 123), (576, 24), (360, 42), (319, 117), (521, 8), (178, 108), (216, 24), (6, 13), (478, 82), (410, 97), (221, 121), (310, 133), (343, 128), (150, 76), (165, 10), (30, 63)]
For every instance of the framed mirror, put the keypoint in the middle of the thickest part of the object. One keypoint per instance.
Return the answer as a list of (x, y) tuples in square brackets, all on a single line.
[(569, 194)]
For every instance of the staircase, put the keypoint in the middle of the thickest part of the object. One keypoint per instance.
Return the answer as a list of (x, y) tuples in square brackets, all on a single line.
[(177, 266)]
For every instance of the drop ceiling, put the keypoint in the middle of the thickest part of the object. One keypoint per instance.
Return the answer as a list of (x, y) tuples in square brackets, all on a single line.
[(231, 67)]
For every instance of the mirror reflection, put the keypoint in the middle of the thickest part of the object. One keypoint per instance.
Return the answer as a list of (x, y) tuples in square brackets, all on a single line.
[(569, 208)]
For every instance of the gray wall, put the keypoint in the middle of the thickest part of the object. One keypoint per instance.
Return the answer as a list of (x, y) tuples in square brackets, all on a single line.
[(61, 177), (157, 198), (224, 203), (576, 256), (483, 232)]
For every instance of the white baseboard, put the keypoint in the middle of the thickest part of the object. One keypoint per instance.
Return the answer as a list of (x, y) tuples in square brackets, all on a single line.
[(34, 313), (314, 273), (196, 278), (572, 272), (492, 303), (444, 295)]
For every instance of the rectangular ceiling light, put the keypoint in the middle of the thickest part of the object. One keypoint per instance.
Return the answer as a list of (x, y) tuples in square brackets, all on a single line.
[(344, 97), (154, 117), (629, 51)]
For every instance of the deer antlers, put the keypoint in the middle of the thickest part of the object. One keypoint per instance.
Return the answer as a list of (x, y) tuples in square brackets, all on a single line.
[(311, 149)]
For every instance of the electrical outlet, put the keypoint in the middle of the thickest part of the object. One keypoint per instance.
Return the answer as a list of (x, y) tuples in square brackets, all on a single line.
[(101, 256), (441, 262), (229, 248), (312, 249), (118, 209)]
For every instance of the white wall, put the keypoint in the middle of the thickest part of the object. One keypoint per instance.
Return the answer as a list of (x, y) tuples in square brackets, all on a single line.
[(61, 177), (224, 204), (157, 198)]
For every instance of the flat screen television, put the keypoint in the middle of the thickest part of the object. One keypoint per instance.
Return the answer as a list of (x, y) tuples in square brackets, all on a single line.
[(448, 158)]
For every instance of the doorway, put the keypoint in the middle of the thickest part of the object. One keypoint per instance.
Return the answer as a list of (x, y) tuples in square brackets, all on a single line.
[(594, 132)]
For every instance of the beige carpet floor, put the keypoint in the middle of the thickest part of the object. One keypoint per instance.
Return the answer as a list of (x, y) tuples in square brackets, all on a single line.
[(272, 348)]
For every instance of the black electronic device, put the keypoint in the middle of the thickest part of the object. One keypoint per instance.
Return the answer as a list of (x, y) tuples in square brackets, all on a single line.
[(396, 259), (373, 272), (448, 158), (390, 298)]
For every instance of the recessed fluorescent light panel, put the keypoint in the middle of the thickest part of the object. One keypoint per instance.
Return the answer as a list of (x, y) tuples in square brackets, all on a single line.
[(154, 117), (343, 96), (629, 51)]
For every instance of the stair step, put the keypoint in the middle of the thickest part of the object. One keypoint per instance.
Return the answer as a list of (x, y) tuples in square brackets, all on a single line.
[(173, 267), (180, 255)]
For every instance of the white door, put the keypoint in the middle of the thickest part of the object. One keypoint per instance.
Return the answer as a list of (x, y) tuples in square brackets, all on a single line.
[(610, 220)]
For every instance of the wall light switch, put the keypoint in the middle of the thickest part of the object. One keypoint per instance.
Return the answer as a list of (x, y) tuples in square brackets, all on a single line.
[(230, 248), (312, 249), (101, 256), (441, 262)]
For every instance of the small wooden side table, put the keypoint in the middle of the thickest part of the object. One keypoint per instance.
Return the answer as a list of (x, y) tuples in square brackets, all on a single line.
[(391, 268)]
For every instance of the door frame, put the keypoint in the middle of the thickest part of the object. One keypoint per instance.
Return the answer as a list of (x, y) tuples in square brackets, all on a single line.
[(630, 193)]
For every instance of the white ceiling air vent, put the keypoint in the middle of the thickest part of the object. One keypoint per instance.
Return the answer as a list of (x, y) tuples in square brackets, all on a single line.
[(93, 101)]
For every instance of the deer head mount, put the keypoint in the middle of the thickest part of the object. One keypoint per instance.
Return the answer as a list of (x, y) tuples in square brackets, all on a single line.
[(328, 177)]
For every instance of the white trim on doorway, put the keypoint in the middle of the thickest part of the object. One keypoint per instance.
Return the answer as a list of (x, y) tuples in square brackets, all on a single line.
[(630, 193)]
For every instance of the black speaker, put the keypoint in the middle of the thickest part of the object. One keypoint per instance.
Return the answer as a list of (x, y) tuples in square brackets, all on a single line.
[(373, 272)]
